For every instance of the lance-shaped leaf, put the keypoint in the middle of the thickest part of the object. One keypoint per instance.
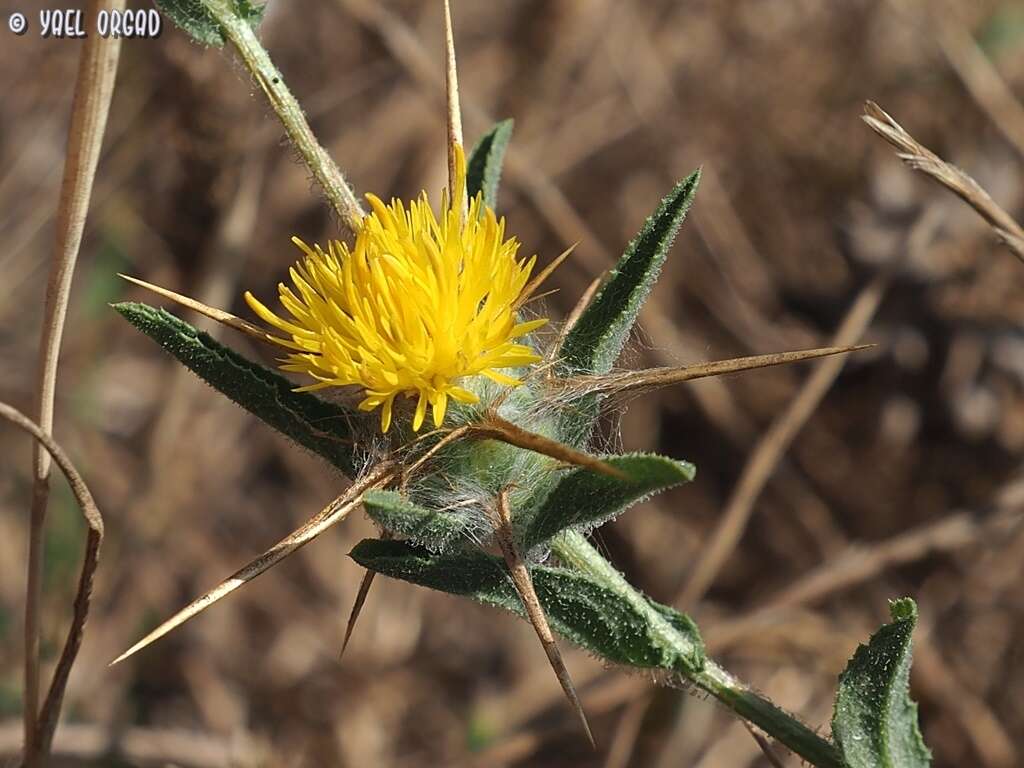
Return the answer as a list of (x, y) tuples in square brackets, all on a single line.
[(436, 530), (584, 499), (578, 608), (483, 170), (322, 427), (596, 339), (875, 722), (194, 19)]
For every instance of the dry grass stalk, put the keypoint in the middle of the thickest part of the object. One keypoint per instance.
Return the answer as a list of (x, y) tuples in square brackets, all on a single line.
[(920, 158), (226, 257), (627, 733), (980, 76), (91, 744), (776, 441), (333, 513), (94, 86), (531, 604), (38, 745), (772, 446), (860, 563)]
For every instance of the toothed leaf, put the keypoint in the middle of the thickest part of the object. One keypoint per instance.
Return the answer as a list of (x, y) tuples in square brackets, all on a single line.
[(596, 340), (192, 17), (584, 499), (578, 608), (435, 530), (320, 426), (875, 722), (483, 169)]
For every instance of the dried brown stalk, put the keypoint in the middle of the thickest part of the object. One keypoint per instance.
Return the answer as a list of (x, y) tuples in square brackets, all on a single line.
[(859, 563), (89, 744), (920, 158), (776, 441), (333, 513), (979, 75), (38, 745), (94, 86), (531, 604)]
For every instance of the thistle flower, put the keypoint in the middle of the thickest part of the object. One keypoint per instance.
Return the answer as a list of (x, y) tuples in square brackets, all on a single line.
[(421, 303), (417, 305)]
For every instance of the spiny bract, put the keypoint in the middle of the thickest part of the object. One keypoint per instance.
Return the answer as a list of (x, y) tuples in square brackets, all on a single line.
[(416, 305)]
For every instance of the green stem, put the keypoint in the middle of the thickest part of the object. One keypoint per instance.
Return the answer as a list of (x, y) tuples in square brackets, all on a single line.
[(573, 549), (263, 71)]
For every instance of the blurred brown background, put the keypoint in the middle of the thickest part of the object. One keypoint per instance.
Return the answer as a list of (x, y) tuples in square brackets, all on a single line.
[(901, 483)]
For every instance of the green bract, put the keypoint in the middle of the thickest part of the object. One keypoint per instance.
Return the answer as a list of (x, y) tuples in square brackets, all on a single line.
[(875, 722), (483, 168)]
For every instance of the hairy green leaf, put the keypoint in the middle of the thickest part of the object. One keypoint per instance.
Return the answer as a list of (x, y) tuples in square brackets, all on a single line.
[(193, 18), (585, 499), (578, 608), (437, 530), (483, 168), (322, 427), (596, 340), (875, 722)]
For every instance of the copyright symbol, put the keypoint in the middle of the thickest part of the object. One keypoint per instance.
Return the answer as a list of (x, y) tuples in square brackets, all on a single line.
[(17, 23)]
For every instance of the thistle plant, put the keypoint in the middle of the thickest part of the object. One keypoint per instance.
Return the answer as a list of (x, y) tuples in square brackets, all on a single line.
[(467, 424)]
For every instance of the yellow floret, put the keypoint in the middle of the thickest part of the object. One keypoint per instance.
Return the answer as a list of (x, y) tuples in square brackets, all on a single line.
[(416, 305)]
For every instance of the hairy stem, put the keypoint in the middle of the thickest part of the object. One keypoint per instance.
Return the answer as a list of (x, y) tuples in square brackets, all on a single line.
[(256, 59), (574, 550)]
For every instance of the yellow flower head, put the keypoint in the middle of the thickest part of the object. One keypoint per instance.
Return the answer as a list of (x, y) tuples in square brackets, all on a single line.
[(416, 305)]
